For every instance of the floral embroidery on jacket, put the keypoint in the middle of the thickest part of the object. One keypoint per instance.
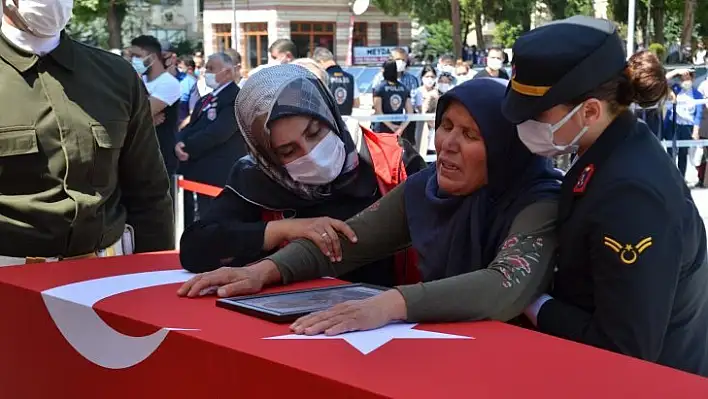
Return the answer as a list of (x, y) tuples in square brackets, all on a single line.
[(517, 257)]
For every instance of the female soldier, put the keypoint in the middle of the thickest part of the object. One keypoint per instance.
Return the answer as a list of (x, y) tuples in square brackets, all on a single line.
[(632, 271)]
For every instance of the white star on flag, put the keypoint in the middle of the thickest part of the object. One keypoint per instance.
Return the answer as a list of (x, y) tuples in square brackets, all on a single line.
[(370, 340)]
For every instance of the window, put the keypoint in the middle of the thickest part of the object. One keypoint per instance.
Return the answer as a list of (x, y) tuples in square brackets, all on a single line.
[(256, 39), (222, 37), (389, 34), (360, 38), (308, 35)]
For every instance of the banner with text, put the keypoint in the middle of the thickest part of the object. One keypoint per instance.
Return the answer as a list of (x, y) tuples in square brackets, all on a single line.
[(373, 55)]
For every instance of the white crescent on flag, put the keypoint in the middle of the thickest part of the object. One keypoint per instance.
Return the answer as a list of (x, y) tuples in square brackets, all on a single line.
[(71, 308)]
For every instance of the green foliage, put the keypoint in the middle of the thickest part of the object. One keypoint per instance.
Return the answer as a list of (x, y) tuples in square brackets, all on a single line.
[(564, 8), (426, 11), (505, 34), (516, 12), (439, 40), (87, 10), (659, 50)]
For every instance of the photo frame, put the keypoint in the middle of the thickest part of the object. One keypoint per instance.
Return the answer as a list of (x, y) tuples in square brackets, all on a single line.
[(286, 307)]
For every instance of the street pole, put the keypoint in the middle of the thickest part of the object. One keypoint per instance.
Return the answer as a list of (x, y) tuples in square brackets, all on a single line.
[(198, 18), (631, 16), (350, 52), (234, 29)]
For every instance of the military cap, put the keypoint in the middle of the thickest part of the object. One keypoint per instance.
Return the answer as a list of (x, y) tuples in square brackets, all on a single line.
[(560, 61)]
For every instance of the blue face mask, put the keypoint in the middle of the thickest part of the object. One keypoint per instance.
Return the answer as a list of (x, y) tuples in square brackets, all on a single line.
[(197, 72), (139, 65)]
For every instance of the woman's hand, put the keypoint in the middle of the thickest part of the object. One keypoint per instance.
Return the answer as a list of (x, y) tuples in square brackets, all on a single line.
[(321, 231), (366, 314), (232, 281), (695, 134)]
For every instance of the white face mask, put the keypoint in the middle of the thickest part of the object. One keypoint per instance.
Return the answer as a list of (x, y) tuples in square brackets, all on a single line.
[(42, 18), (494, 63), (447, 68), (139, 65), (400, 65), (322, 165), (444, 87), (687, 85), (210, 80), (429, 82), (538, 136)]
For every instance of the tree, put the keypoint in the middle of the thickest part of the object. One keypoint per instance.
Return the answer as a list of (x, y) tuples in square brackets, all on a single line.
[(506, 34), (456, 31), (689, 16), (439, 40), (113, 12), (562, 8)]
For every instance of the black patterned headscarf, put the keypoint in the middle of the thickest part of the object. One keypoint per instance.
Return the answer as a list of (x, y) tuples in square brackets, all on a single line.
[(284, 90)]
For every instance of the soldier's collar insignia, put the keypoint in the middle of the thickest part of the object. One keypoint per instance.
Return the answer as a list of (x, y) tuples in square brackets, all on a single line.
[(583, 180), (628, 253)]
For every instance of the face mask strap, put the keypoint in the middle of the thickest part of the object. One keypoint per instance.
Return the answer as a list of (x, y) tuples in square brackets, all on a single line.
[(554, 128)]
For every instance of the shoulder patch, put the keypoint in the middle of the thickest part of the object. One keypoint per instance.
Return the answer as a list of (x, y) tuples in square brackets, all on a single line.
[(628, 253), (584, 179)]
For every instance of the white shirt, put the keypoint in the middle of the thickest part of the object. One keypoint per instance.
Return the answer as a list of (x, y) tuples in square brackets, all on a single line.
[(164, 88), (703, 89), (27, 42), (685, 108), (220, 88), (202, 88)]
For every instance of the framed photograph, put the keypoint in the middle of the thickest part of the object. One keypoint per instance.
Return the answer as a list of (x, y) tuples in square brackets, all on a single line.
[(286, 307)]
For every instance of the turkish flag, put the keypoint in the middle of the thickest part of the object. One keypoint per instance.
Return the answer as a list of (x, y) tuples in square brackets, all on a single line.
[(114, 328)]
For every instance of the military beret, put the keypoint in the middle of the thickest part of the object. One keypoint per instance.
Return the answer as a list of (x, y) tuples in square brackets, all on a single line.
[(560, 61)]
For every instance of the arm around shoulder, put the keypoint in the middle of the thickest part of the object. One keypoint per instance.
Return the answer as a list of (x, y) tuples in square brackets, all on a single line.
[(381, 229), (521, 270)]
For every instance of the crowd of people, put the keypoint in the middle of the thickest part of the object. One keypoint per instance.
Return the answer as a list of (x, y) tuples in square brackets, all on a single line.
[(610, 254)]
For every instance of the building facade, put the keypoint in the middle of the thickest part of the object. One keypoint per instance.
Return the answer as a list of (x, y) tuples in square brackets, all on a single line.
[(172, 20), (308, 23)]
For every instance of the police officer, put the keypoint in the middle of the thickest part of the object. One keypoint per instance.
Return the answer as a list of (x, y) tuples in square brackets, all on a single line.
[(79, 159), (391, 97), (210, 144), (632, 270), (341, 83)]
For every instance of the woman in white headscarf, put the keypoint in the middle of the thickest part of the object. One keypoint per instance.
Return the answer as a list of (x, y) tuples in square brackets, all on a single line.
[(302, 177)]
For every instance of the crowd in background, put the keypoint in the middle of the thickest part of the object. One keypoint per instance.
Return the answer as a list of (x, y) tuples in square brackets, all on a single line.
[(181, 82)]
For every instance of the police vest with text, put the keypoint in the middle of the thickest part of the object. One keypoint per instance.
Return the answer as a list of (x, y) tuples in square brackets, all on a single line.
[(342, 86)]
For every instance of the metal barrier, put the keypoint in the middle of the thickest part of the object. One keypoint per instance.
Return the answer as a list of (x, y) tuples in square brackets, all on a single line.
[(400, 118), (181, 185)]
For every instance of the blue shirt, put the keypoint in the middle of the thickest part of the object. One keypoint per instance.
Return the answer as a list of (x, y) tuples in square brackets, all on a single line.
[(186, 86)]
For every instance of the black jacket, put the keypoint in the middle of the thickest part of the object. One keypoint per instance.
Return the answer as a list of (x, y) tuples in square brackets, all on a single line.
[(632, 272), (232, 231), (212, 139)]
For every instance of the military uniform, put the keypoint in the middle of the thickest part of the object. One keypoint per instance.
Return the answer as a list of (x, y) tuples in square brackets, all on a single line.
[(632, 272), (79, 158)]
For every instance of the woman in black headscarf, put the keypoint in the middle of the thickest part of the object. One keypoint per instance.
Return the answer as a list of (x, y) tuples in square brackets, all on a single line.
[(303, 176), (482, 221)]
